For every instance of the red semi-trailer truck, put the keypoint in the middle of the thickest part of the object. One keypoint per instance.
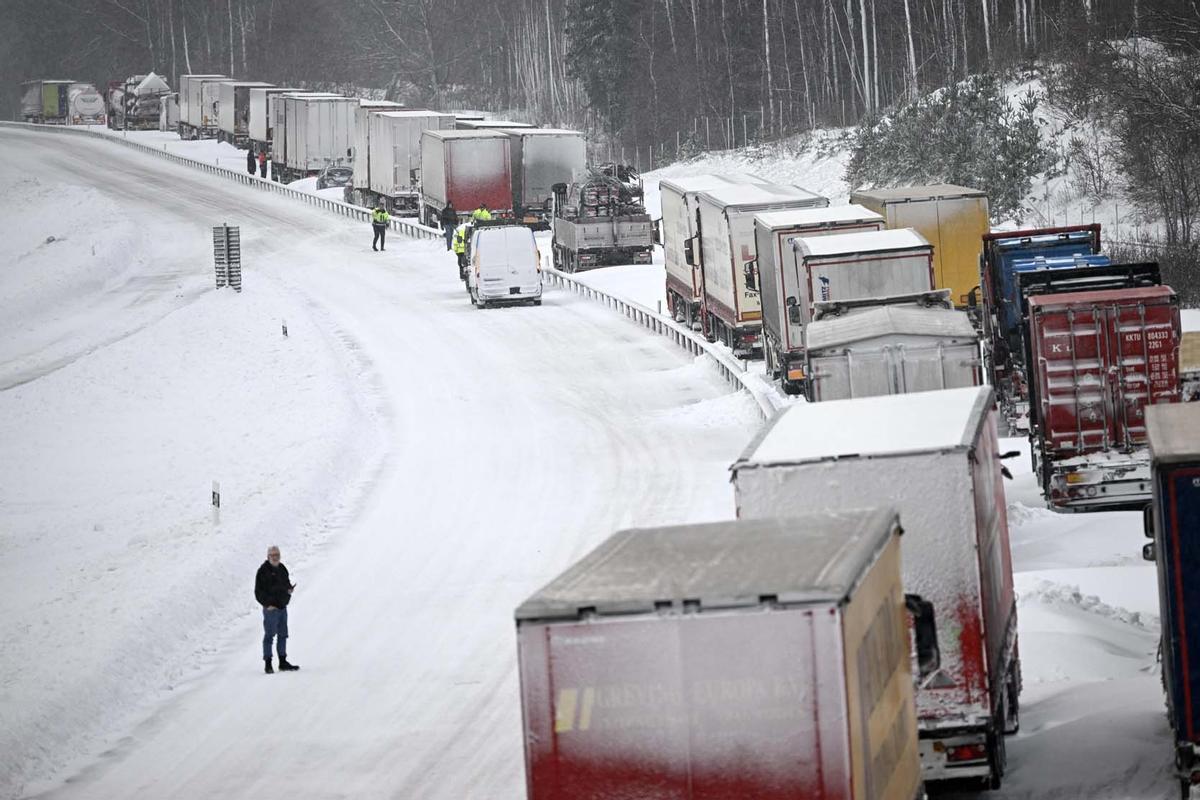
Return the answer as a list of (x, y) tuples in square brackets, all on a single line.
[(1096, 360), (934, 457), (763, 659), (465, 168)]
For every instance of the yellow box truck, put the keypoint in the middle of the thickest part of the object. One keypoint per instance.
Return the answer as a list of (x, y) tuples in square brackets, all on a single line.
[(952, 218)]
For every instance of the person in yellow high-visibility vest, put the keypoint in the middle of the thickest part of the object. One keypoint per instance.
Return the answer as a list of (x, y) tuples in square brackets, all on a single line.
[(379, 224), (482, 213), (461, 234)]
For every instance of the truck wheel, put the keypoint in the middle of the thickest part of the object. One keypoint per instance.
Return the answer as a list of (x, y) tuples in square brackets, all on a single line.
[(1012, 691), (1185, 789), (997, 752)]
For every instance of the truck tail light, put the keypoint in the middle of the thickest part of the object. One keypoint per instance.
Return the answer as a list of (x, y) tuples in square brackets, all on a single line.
[(795, 374), (750, 337), (966, 752)]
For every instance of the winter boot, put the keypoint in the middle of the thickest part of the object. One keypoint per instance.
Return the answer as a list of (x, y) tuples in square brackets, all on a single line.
[(268, 669), (284, 666)]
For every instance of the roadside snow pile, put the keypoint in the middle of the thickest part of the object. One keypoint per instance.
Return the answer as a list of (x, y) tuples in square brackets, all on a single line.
[(210, 151), (117, 580), (59, 241), (1068, 636), (77, 271), (309, 185), (815, 161), (1040, 590)]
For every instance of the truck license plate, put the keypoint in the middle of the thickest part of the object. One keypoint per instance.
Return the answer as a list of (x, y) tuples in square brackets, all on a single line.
[(514, 290)]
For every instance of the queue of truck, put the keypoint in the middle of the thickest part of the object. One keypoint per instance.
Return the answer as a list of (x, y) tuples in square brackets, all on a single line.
[(803, 649)]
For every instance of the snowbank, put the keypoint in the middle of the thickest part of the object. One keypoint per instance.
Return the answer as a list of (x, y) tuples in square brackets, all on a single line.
[(114, 569), (816, 162)]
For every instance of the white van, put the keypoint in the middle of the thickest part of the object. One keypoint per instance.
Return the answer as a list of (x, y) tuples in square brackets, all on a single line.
[(505, 266)]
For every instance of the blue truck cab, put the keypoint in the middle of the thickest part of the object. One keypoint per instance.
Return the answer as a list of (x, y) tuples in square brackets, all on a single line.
[(1006, 253), (1173, 523)]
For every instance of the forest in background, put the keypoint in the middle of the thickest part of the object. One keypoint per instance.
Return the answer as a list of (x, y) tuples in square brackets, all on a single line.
[(643, 72), (674, 77)]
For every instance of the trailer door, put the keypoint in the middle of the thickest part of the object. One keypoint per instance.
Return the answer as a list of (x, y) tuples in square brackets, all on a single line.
[(1101, 363)]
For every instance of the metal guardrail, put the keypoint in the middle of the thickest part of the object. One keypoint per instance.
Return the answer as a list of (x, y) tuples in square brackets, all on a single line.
[(413, 229), (767, 400)]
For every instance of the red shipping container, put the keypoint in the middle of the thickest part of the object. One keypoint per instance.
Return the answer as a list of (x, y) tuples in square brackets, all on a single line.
[(1097, 359)]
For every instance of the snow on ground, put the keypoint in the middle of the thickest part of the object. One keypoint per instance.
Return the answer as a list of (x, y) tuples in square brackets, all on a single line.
[(309, 185), (514, 441), (816, 162), (424, 466), (1191, 319), (129, 385), (210, 151)]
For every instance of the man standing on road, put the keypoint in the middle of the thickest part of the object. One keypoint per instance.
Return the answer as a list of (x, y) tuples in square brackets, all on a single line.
[(262, 163), (379, 223), (449, 221), (273, 591), (251, 161)]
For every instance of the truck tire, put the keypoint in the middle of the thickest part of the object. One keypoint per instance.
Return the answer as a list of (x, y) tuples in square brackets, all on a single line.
[(1012, 693), (997, 751)]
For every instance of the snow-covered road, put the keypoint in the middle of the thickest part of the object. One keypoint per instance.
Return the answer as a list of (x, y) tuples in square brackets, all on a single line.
[(424, 466), (494, 447)]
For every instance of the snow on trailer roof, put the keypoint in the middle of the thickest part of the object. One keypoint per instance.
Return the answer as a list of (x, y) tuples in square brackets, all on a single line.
[(700, 183), (866, 427), (1174, 432), (409, 113), (365, 103), (818, 558), (544, 132), (872, 323), (1095, 297), (466, 134), (798, 217), (758, 194), (837, 244), (929, 192), (253, 84)]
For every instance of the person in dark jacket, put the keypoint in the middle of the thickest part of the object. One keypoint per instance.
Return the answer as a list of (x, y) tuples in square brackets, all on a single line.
[(449, 221), (273, 591), (251, 161)]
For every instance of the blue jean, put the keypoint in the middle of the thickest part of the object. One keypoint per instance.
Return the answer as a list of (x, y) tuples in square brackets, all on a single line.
[(448, 233), (275, 625)]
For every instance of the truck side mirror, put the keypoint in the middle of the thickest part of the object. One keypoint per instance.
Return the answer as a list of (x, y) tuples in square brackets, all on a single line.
[(750, 269), (658, 233), (1009, 454), (793, 311), (1148, 523), (973, 298), (929, 656), (1148, 551), (689, 252)]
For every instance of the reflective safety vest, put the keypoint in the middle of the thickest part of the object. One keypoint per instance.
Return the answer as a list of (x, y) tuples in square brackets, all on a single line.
[(460, 239), (481, 213), (379, 218)]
